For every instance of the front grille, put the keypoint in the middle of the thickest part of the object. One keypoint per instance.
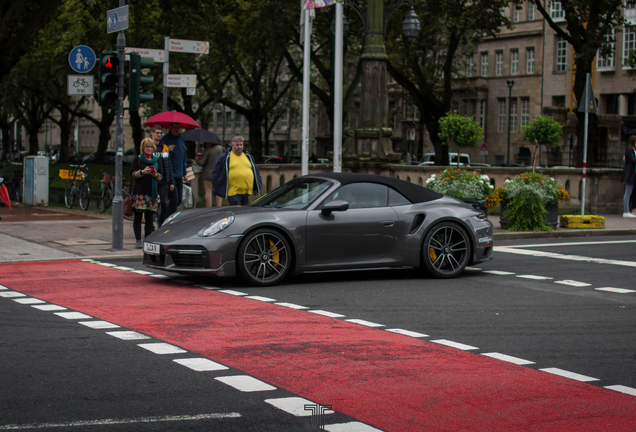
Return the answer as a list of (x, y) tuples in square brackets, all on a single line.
[(156, 260), (187, 260)]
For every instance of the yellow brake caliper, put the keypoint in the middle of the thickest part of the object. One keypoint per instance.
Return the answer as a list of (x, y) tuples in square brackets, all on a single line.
[(432, 254), (275, 256)]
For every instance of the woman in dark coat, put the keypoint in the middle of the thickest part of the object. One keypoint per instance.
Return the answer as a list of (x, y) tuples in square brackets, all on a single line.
[(628, 175), (146, 173)]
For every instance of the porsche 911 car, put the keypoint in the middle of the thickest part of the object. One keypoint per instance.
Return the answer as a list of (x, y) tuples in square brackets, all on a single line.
[(325, 222)]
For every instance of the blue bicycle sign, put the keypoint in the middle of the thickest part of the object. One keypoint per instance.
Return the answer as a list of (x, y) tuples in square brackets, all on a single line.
[(81, 59)]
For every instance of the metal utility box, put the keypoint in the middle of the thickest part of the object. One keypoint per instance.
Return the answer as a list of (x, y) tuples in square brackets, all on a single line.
[(36, 180)]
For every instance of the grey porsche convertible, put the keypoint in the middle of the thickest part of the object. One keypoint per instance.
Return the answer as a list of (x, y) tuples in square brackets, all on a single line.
[(325, 222)]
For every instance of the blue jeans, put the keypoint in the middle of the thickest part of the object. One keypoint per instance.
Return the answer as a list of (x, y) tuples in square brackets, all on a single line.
[(240, 199), (628, 194)]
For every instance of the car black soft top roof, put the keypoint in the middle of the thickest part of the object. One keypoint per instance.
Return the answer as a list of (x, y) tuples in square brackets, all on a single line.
[(413, 192)]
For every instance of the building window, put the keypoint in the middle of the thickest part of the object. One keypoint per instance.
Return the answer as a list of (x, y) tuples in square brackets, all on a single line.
[(558, 101), (469, 66), (629, 45), (498, 62), (219, 120), (228, 120), (501, 115), (283, 121), (612, 104), (525, 112), (530, 60), (630, 12), (482, 114), (516, 13), (556, 11), (531, 9), (514, 61), (484, 64), (513, 115), (607, 62), (561, 54)]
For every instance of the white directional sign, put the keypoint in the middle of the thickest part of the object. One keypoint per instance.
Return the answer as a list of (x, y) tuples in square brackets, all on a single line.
[(188, 46), (117, 19), (159, 56), (80, 85), (175, 80)]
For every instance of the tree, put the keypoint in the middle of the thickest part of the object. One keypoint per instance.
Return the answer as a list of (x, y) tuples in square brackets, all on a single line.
[(543, 130), (462, 131), (426, 67), (588, 23)]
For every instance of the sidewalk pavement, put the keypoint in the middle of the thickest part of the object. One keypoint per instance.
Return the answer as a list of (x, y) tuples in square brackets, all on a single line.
[(51, 233)]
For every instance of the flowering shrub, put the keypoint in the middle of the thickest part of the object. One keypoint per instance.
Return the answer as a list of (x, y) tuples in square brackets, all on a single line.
[(460, 183), (549, 190)]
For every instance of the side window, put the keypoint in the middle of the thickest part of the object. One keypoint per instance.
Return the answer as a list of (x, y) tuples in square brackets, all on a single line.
[(397, 199), (362, 195)]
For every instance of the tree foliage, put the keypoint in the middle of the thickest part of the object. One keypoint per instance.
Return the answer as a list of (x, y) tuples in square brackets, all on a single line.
[(462, 131)]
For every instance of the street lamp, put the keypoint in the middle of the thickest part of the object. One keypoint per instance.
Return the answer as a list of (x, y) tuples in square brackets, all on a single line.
[(411, 26), (510, 83)]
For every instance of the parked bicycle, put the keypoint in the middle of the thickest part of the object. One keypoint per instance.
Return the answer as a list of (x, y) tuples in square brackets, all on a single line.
[(73, 193), (108, 183), (15, 188)]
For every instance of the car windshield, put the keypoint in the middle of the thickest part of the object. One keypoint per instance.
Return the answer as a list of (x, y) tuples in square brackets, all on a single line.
[(296, 194)]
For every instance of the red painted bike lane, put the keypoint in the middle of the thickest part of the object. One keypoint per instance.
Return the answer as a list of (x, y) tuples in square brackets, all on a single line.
[(390, 381)]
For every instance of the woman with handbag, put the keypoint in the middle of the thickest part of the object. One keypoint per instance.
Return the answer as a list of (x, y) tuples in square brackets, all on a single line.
[(146, 173)]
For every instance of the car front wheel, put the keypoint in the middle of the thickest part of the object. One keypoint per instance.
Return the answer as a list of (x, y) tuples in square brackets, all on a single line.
[(446, 250), (264, 257)]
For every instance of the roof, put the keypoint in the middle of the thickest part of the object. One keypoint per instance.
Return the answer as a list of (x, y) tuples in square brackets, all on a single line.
[(413, 192)]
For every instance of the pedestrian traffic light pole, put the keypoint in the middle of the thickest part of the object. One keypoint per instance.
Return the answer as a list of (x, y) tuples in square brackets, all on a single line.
[(118, 201)]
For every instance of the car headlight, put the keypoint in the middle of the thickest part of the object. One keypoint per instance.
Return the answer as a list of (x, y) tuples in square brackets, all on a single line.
[(170, 218), (217, 226)]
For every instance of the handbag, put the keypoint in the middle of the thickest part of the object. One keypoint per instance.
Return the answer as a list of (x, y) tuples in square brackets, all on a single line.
[(187, 197), (128, 206)]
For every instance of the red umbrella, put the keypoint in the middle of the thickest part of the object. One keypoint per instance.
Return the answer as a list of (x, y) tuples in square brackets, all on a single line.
[(4, 196), (165, 118)]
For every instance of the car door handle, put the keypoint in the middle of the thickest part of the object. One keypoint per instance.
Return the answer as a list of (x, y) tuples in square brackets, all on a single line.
[(387, 223)]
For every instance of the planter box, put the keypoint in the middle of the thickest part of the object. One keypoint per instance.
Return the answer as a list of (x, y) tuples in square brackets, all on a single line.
[(552, 216)]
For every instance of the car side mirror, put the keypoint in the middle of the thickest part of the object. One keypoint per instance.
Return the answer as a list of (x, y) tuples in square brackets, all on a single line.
[(337, 205)]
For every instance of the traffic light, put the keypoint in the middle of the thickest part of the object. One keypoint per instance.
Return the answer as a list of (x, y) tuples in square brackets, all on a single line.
[(135, 95), (108, 63)]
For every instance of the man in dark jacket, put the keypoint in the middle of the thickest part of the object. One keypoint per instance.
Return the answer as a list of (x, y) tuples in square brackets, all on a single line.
[(176, 143), (207, 161), (235, 176), (629, 175), (166, 185)]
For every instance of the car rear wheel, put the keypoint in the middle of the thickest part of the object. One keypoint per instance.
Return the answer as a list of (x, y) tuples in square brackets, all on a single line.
[(446, 250), (264, 257)]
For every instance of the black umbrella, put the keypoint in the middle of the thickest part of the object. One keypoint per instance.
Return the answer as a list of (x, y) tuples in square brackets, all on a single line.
[(201, 135)]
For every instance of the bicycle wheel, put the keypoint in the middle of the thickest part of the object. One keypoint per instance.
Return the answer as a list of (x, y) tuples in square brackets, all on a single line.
[(84, 196), (106, 200), (69, 195)]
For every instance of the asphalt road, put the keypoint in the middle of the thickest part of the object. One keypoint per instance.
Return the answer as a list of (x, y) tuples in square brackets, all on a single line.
[(537, 301)]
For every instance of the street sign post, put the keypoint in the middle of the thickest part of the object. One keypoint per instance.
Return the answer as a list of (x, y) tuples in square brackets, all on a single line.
[(81, 59), (587, 105), (80, 85), (117, 19), (175, 80), (183, 46)]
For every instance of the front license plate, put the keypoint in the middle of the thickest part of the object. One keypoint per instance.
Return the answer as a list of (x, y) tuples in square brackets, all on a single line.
[(152, 248)]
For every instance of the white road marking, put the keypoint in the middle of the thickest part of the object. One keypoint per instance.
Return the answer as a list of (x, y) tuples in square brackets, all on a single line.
[(245, 383), (498, 272), (615, 290), (49, 307), (128, 335), (407, 332), (454, 344), (2, 287), (28, 301), (260, 298), (232, 292), (509, 359), (573, 243), (105, 264), (109, 422), (534, 277), (162, 348), (142, 272), (472, 268), (622, 389), (207, 287), (200, 364), (350, 427), (568, 374), (295, 406), (508, 249), (160, 276), (328, 314), (123, 268), (292, 305), (573, 283), (11, 294), (364, 323), (73, 315), (99, 325)]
